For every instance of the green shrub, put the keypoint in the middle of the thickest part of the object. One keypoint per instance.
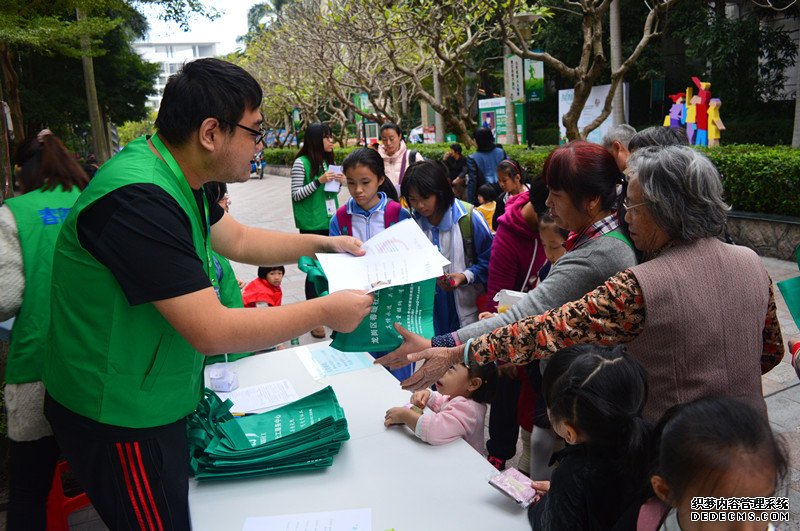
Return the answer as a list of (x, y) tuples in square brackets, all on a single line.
[(280, 156), (757, 178), (760, 179)]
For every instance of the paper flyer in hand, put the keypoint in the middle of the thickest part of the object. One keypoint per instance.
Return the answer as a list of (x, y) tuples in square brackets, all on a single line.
[(399, 255), (333, 186)]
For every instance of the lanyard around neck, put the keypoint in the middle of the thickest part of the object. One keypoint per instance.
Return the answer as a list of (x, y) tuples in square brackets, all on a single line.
[(183, 185)]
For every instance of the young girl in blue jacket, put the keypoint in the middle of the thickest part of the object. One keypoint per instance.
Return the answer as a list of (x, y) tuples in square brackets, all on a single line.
[(467, 243), (373, 204), (372, 208)]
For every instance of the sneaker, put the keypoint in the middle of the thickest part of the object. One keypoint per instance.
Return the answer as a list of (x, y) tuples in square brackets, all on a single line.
[(499, 464)]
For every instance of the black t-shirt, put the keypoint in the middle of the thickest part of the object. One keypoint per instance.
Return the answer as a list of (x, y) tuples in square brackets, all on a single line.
[(144, 237)]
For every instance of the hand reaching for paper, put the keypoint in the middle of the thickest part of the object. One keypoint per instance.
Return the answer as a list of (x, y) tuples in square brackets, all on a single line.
[(412, 343)]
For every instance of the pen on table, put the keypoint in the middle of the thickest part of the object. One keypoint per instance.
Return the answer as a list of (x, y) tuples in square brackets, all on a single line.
[(237, 414)]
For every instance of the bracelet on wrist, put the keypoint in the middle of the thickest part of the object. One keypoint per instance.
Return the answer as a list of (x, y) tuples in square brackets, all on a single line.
[(466, 352)]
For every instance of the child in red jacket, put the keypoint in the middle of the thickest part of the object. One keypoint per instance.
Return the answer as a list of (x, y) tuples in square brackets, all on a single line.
[(266, 289)]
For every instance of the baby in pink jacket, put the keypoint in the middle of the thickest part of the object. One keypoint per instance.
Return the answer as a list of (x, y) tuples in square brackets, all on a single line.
[(458, 406)]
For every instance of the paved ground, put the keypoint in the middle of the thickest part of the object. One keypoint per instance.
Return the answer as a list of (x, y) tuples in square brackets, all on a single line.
[(265, 203)]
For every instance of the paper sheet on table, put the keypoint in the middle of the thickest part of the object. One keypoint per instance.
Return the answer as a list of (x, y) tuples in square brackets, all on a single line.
[(399, 255), (325, 361), (262, 396), (333, 186), (349, 520)]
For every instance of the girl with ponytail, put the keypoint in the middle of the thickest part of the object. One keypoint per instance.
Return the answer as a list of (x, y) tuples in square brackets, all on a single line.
[(595, 396)]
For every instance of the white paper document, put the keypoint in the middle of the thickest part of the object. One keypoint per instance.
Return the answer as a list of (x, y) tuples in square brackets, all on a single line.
[(325, 361), (350, 520), (401, 254), (263, 396), (333, 186)]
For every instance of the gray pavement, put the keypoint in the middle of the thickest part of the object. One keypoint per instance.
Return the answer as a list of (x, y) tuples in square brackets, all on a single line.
[(266, 203)]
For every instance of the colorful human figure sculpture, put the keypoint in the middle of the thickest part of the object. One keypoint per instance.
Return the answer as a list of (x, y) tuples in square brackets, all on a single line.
[(704, 93), (715, 124), (691, 118), (675, 116)]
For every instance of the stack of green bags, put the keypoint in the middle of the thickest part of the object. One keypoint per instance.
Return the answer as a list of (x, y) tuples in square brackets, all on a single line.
[(303, 435)]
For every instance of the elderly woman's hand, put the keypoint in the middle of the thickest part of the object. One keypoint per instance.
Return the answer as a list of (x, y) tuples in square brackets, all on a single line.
[(437, 361), (412, 343)]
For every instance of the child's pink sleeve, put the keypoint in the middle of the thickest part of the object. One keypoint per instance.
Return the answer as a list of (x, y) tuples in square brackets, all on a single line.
[(455, 420), (435, 401)]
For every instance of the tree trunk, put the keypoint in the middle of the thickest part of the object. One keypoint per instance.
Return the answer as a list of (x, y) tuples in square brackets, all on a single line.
[(7, 59), (99, 137), (437, 93), (582, 91), (5, 157), (511, 116), (618, 112)]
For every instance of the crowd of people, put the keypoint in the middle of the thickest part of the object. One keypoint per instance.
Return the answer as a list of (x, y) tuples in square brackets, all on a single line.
[(633, 384)]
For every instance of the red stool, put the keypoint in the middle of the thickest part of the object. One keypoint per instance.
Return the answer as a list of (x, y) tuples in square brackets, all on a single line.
[(59, 505)]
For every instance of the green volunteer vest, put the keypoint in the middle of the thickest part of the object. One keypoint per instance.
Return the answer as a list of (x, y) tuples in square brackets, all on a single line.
[(310, 213), (230, 296), (39, 215), (618, 235), (109, 361)]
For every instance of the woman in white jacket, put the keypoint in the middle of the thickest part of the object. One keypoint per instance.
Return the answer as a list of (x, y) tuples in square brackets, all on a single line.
[(396, 156)]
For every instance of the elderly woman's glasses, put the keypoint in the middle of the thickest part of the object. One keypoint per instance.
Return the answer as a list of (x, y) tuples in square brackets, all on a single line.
[(258, 135), (628, 206)]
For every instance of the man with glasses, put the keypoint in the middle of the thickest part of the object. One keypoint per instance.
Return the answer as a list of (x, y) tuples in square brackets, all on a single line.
[(135, 305)]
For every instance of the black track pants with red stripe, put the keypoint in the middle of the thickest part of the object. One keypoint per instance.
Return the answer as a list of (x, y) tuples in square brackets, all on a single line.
[(136, 478)]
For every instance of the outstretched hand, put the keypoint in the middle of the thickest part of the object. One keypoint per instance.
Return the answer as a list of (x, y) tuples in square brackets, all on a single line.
[(437, 361), (412, 343), (346, 309), (345, 244)]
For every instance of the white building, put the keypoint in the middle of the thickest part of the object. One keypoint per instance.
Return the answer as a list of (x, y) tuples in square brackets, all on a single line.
[(171, 56)]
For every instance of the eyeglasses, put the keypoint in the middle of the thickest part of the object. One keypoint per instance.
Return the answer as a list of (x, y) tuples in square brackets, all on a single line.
[(629, 206), (259, 134)]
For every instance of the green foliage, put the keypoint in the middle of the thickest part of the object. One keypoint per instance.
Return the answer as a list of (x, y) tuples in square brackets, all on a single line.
[(53, 92), (758, 178), (133, 130), (50, 32), (285, 156), (738, 75), (179, 11)]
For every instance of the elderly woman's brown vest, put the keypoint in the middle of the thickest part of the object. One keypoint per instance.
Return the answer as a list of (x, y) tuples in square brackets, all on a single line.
[(706, 305)]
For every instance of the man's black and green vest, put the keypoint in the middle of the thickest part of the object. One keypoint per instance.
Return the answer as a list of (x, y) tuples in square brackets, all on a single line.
[(109, 361)]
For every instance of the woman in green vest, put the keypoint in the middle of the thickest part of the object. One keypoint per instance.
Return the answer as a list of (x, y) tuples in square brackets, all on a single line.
[(312, 205), (230, 289), (50, 180)]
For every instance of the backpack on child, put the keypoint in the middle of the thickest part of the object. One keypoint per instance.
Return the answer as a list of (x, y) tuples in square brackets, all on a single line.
[(391, 215), (465, 224)]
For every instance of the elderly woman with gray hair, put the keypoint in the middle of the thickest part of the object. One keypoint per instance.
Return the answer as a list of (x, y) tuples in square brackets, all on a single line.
[(699, 314)]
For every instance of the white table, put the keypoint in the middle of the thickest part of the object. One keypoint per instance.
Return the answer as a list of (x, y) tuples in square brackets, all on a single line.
[(408, 484)]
